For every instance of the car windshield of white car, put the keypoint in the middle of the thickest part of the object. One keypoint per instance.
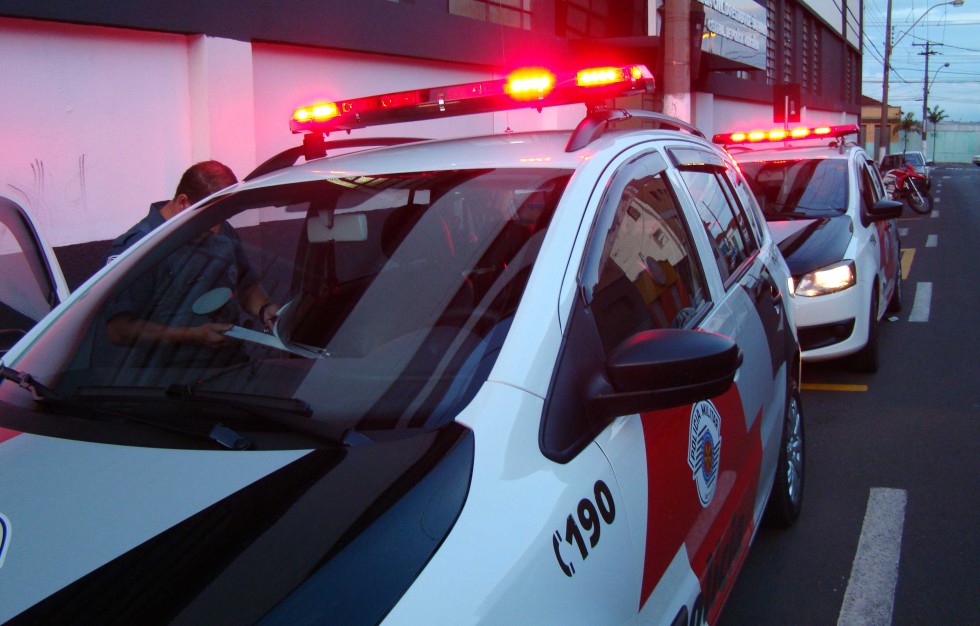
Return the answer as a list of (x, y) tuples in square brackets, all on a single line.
[(792, 189), (377, 301)]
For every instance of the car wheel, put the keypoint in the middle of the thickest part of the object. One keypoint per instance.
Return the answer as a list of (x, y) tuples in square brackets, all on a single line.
[(786, 499), (867, 359), (895, 304)]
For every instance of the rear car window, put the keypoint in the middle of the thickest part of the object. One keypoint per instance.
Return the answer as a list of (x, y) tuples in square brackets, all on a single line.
[(798, 188)]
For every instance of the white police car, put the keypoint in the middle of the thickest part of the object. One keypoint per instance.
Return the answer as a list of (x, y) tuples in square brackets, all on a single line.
[(835, 225), (526, 378)]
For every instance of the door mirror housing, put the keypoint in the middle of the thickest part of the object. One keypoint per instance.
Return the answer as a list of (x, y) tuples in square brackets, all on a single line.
[(660, 369), (884, 210)]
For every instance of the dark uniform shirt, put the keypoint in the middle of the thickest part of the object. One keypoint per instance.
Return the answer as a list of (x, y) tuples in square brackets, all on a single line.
[(139, 230), (167, 290)]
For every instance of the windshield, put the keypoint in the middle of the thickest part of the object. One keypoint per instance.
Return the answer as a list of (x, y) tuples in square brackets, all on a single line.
[(913, 158), (801, 188), (364, 303)]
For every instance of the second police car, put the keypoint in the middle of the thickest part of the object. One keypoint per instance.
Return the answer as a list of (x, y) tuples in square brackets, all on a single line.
[(835, 224), (543, 377)]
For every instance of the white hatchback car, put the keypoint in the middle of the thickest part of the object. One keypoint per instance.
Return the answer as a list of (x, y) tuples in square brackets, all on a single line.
[(827, 208), (545, 377)]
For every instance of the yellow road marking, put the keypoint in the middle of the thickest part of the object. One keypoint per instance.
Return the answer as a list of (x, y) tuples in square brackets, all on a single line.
[(829, 387), (907, 255)]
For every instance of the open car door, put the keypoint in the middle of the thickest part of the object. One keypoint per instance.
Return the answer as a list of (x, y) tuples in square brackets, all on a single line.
[(31, 282)]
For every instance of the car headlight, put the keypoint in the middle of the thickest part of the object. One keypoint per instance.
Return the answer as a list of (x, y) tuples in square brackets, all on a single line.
[(830, 279)]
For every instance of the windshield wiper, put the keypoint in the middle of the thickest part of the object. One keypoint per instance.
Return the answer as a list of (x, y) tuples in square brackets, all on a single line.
[(293, 413), (212, 431), (25, 381)]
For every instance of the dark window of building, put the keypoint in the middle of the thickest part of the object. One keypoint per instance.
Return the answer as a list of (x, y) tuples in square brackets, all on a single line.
[(810, 49), (516, 13), (579, 19), (815, 53), (850, 77), (771, 57), (786, 71), (805, 61)]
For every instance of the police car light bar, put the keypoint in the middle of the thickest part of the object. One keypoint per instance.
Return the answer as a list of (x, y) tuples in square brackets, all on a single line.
[(781, 134), (523, 88)]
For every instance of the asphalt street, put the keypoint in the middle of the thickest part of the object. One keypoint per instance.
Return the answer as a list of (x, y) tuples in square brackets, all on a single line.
[(912, 431)]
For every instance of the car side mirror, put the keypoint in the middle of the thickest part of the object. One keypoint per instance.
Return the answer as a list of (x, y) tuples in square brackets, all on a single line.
[(884, 210), (660, 369)]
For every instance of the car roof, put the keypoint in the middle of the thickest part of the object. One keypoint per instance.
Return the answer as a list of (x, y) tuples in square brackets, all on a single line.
[(546, 149)]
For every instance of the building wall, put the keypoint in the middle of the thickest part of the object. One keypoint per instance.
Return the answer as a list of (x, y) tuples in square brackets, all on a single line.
[(421, 29), (100, 122), (955, 142), (951, 142), (95, 123), (106, 104)]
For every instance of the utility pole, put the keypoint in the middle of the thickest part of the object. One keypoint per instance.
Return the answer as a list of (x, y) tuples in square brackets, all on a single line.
[(677, 58), (883, 130), (885, 135), (925, 90)]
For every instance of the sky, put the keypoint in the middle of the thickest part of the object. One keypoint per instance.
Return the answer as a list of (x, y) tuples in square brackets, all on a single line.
[(955, 89)]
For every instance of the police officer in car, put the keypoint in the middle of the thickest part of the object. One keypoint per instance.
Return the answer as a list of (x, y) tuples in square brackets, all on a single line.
[(157, 315)]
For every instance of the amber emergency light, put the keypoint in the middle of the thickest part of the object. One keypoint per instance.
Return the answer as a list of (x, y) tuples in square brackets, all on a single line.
[(783, 134)]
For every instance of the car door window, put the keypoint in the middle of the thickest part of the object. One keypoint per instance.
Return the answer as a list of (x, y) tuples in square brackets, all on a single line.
[(872, 188), (746, 200), (27, 291), (727, 226), (867, 190), (641, 271), (647, 274)]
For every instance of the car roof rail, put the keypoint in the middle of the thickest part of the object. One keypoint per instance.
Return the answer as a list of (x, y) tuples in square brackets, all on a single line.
[(595, 123), (314, 146)]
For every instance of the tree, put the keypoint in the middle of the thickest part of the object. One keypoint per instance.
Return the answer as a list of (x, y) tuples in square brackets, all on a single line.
[(909, 125), (935, 115)]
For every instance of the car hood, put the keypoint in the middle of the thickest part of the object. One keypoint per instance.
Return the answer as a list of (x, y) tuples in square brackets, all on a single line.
[(95, 533), (809, 244)]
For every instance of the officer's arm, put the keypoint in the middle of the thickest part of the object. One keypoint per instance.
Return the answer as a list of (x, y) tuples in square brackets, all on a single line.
[(127, 330), (256, 302)]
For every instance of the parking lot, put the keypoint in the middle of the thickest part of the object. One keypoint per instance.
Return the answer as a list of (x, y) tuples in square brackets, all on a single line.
[(889, 523)]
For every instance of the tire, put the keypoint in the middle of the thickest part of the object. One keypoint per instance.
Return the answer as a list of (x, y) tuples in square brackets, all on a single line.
[(919, 202), (786, 499), (895, 304), (867, 359)]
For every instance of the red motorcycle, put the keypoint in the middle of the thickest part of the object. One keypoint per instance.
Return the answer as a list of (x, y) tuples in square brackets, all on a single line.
[(904, 183)]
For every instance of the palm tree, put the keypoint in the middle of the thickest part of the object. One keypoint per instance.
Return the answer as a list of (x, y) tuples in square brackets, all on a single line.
[(935, 115), (909, 125)]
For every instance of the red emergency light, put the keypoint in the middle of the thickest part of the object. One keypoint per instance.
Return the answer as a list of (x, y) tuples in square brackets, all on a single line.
[(783, 134), (523, 88)]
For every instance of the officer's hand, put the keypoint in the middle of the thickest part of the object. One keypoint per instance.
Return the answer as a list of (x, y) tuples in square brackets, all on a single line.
[(268, 315), (212, 335)]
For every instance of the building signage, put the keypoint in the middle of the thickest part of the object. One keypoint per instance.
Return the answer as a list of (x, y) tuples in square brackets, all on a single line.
[(735, 30)]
